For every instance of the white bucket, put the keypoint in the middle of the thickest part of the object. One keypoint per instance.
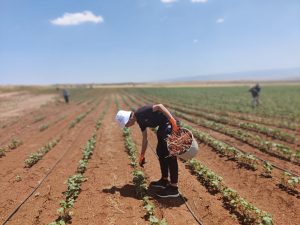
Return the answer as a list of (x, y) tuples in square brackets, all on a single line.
[(192, 151)]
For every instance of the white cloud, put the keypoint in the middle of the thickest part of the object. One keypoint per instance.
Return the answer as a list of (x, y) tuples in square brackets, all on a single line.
[(168, 1), (195, 40), (198, 0), (221, 20), (77, 18)]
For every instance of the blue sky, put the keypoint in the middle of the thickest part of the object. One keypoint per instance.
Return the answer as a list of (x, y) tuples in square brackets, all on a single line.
[(70, 41)]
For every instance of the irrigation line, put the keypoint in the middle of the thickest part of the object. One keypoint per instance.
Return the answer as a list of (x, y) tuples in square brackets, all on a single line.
[(187, 205), (248, 152), (45, 175)]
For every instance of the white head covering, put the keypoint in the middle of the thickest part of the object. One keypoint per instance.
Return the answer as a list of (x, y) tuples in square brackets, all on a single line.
[(122, 117)]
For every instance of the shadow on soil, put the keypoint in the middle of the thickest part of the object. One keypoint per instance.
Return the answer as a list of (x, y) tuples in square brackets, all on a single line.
[(289, 190), (127, 191), (165, 202)]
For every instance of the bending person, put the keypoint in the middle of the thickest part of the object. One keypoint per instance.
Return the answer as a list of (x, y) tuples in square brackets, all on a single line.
[(153, 116)]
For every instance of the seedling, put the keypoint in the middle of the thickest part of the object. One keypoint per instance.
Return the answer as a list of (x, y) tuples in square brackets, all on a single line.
[(267, 169), (19, 178), (2, 152), (15, 143), (44, 127), (39, 119)]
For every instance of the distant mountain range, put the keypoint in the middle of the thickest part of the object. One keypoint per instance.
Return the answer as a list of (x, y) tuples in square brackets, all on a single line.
[(280, 74)]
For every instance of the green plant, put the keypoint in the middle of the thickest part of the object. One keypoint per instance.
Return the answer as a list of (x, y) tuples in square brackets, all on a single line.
[(267, 168), (19, 178), (150, 209), (44, 127), (35, 157), (39, 119), (15, 143), (2, 152), (289, 181)]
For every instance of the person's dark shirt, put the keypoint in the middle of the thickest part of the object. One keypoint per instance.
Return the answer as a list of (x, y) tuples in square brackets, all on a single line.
[(147, 118), (257, 89)]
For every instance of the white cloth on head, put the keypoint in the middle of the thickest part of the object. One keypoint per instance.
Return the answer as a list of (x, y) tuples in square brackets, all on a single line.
[(122, 117)]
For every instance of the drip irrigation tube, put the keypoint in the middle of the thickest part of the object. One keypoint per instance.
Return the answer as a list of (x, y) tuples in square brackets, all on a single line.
[(187, 205), (45, 175), (248, 152)]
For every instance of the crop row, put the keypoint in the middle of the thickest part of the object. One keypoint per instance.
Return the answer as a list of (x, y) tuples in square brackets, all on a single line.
[(208, 108), (140, 181), (275, 148), (270, 147), (282, 104), (275, 133), (251, 213), (35, 157), (75, 181), (80, 117), (287, 180), (13, 145)]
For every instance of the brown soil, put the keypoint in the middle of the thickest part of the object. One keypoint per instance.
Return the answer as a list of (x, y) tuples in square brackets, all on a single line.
[(251, 185), (11, 165), (18, 103), (108, 196)]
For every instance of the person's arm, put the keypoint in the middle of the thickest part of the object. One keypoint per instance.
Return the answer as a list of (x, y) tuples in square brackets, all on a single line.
[(144, 142), (144, 148), (161, 108)]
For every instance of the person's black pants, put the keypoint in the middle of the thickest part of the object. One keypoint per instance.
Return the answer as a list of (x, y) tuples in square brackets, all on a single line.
[(67, 99), (166, 164)]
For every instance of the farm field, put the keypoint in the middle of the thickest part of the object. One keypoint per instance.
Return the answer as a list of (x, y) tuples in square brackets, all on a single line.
[(247, 170)]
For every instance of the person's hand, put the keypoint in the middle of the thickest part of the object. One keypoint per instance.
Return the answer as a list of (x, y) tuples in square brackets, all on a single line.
[(142, 161), (174, 125)]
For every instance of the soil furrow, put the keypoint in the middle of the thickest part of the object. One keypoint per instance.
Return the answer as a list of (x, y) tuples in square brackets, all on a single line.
[(17, 191), (283, 206)]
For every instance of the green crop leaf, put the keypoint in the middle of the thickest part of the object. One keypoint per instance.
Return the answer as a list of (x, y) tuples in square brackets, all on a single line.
[(60, 210), (153, 219), (163, 222)]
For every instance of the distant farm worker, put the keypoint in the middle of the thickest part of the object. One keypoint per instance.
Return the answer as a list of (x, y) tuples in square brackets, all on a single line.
[(153, 116), (66, 95), (255, 91)]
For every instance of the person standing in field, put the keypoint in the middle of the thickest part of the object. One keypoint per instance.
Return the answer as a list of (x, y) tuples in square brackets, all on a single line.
[(255, 91), (66, 95), (153, 116)]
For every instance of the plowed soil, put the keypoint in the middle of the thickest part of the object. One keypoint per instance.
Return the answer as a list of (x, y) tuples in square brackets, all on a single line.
[(109, 196), (263, 192)]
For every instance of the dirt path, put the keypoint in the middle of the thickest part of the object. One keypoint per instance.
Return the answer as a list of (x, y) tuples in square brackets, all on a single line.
[(14, 192), (250, 184), (14, 104)]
